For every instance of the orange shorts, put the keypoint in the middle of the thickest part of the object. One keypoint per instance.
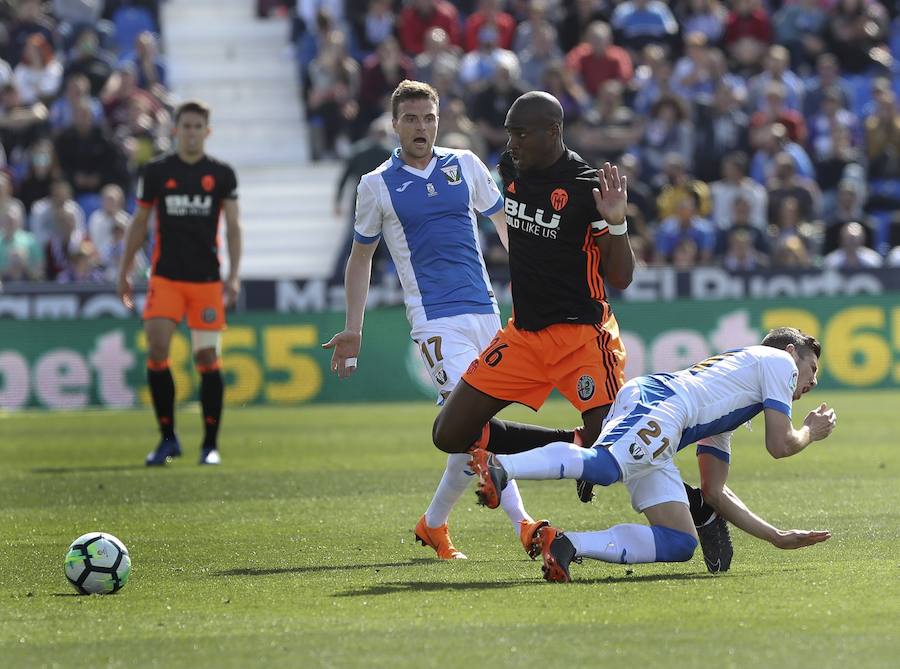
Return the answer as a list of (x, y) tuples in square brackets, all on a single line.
[(586, 363), (203, 303)]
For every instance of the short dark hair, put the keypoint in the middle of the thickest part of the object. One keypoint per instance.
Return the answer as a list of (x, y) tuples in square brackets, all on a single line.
[(781, 337), (413, 90), (193, 107)]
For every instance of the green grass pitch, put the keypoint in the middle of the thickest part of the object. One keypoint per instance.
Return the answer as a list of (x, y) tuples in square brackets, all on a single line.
[(298, 551)]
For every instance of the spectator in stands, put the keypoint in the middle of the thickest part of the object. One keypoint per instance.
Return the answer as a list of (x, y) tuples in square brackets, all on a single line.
[(77, 88), (748, 33), (577, 16), (110, 254), (706, 17), (608, 128), (375, 25), (790, 253), (540, 53), (668, 130), (456, 123), (740, 219), (597, 59), (800, 26), (439, 52), (539, 17), (314, 35), (145, 133), (20, 124), (733, 185), (40, 173), (87, 154), (45, 212), (855, 29), (83, 265), (853, 253), (39, 74), (774, 140), (76, 13), (563, 84), (775, 110), (7, 195), (103, 221), (477, 69), (382, 71), (847, 208), (6, 73), (639, 194), (828, 78), (638, 23), (675, 183), (653, 79), (777, 69), (831, 116), (685, 255), (882, 131), (90, 60), (149, 65), (420, 15), (685, 223), (63, 242), (693, 77), (490, 13), (789, 221), (21, 257), (490, 106), (785, 183), (741, 255), (720, 128), (331, 97), (30, 19), (121, 90)]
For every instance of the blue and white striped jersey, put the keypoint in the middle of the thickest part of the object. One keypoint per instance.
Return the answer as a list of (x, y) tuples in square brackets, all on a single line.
[(724, 392), (428, 220)]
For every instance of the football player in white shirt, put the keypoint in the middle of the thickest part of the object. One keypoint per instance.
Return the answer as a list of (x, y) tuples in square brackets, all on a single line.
[(652, 418), (423, 202)]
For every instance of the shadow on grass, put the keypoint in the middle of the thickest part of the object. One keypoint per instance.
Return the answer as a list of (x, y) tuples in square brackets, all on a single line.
[(81, 470), (432, 586), (263, 571)]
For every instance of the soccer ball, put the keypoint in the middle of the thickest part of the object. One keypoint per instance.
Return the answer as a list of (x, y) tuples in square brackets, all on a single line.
[(97, 564)]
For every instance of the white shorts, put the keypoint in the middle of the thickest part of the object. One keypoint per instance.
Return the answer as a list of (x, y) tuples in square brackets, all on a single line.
[(449, 345), (643, 438)]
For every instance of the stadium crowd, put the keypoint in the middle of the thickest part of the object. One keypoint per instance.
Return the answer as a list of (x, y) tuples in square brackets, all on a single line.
[(755, 133)]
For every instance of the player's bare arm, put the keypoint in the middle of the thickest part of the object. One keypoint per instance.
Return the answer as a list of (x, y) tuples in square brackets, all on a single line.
[(134, 240), (498, 218), (783, 440), (347, 342), (233, 234), (615, 248), (713, 474)]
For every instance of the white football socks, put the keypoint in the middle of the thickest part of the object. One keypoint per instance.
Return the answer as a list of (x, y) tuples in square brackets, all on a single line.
[(454, 483), (559, 460), (623, 544)]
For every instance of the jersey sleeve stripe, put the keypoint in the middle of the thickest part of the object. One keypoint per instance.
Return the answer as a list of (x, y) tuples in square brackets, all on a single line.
[(498, 205), (715, 452), (778, 406), (362, 239)]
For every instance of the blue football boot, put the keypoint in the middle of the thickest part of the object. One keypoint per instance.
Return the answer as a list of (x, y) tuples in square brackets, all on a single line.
[(167, 449)]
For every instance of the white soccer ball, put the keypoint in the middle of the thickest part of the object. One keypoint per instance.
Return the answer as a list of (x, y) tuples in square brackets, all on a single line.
[(97, 564)]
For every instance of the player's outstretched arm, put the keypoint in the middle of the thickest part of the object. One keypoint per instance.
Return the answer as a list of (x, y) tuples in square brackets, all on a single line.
[(134, 240), (713, 473), (346, 343), (783, 440)]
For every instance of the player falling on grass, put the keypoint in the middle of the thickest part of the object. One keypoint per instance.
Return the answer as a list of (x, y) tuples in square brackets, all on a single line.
[(567, 240), (652, 418), (188, 190), (423, 200)]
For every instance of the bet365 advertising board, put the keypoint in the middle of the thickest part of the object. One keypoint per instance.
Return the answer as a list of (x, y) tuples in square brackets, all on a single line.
[(276, 359)]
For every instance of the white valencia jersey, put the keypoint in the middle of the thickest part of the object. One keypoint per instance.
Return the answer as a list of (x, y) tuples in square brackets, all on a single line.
[(428, 220)]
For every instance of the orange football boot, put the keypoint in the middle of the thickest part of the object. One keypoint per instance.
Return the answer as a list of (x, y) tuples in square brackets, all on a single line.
[(439, 539), (558, 553), (528, 535)]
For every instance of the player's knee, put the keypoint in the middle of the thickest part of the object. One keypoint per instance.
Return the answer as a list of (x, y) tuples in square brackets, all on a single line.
[(446, 436), (673, 545)]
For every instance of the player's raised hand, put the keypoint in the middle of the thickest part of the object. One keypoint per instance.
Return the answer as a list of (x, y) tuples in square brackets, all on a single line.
[(612, 196), (346, 345), (790, 539), (125, 291), (821, 421)]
